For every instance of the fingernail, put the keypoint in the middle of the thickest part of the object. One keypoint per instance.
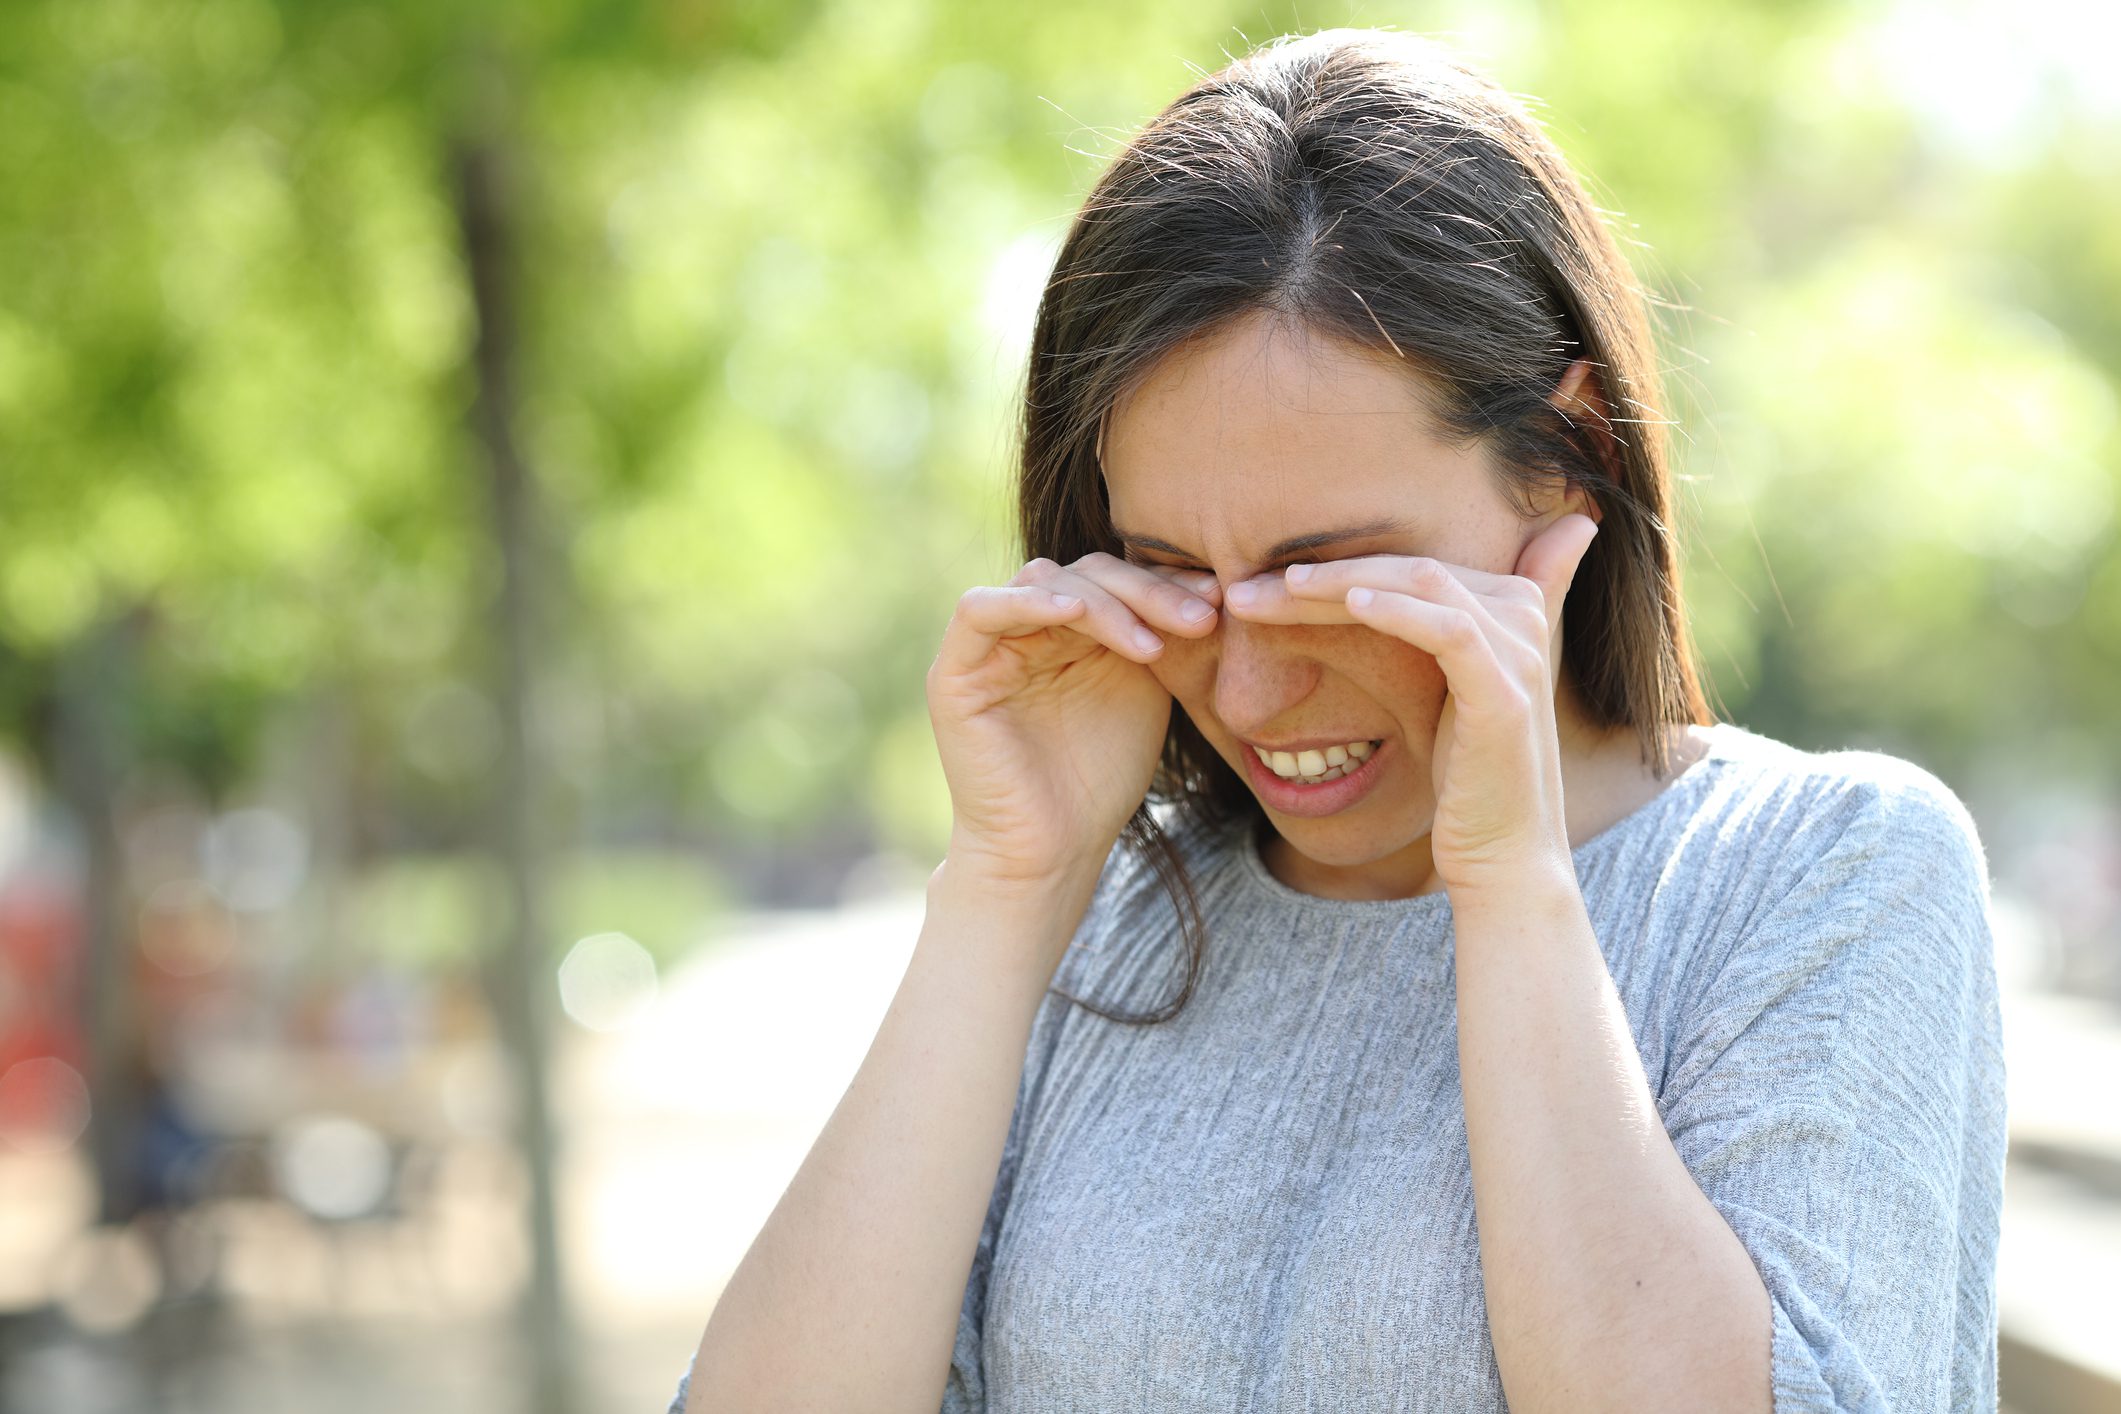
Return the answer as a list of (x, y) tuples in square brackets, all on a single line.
[(1299, 573), (1241, 594), (1148, 641), (1193, 611)]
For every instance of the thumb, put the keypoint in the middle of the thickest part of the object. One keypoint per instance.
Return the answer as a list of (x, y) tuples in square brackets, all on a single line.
[(1551, 557)]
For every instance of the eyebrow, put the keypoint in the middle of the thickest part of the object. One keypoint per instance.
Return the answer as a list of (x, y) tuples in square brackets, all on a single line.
[(1294, 546)]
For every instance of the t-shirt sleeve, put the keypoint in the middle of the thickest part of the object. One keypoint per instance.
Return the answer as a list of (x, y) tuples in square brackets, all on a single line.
[(1836, 1089)]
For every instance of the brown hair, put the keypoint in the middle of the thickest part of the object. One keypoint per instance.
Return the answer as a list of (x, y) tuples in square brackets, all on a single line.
[(1370, 185)]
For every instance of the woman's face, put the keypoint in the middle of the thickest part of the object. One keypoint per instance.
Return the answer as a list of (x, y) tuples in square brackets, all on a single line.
[(1262, 433)]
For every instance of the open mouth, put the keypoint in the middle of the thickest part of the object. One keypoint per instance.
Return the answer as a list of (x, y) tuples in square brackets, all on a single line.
[(1327, 789), (1313, 768)]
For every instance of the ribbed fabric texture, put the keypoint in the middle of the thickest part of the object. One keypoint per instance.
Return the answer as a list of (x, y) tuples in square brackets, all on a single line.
[(1267, 1204)]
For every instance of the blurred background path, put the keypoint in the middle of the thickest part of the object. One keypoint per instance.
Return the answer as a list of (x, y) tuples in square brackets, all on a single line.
[(687, 1125)]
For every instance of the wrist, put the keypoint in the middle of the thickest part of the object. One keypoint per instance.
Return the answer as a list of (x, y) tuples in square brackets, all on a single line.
[(965, 877), (973, 867), (1542, 887), (1021, 926)]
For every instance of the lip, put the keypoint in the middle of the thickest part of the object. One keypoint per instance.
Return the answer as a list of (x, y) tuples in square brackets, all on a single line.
[(1306, 802)]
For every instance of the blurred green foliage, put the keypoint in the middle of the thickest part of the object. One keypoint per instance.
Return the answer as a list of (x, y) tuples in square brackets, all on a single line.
[(424, 911), (776, 264)]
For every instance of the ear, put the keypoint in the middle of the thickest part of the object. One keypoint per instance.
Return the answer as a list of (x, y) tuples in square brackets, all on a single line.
[(1580, 399)]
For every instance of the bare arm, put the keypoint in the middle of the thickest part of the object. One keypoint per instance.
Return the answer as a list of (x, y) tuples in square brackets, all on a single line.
[(849, 1296), (1048, 726)]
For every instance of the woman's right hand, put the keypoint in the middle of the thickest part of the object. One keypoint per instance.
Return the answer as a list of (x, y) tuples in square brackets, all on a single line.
[(1046, 714)]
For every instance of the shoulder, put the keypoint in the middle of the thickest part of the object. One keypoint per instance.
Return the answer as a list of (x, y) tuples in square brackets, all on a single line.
[(1816, 864), (1845, 915), (1841, 816)]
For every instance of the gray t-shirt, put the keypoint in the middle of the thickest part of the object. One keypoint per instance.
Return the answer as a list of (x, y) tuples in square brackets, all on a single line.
[(1266, 1203)]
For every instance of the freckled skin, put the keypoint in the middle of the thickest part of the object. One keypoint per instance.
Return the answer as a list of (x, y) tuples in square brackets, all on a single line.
[(1266, 431)]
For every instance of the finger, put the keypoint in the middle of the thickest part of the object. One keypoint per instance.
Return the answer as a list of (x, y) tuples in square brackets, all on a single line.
[(1163, 596), (1266, 599), (1515, 606), (1274, 599), (1200, 582), (1454, 637), (1438, 581), (1552, 557), (988, 613), (1108, 618)]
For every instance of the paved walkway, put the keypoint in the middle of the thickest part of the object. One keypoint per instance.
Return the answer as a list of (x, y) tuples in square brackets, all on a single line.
[(683, 1130)]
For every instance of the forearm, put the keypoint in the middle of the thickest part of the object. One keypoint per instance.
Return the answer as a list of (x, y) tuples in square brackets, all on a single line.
[(849, 1296), (1611, 1280)]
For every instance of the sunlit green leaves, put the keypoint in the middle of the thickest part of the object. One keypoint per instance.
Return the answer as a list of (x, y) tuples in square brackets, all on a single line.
[(775, 267)]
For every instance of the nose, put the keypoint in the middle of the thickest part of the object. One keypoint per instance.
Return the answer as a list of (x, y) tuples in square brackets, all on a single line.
[(1260, 673)]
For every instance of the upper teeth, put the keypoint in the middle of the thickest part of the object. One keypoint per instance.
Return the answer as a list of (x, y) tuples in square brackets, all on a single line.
[(1332, 762)]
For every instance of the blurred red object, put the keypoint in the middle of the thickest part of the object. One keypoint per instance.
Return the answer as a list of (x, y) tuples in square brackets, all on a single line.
[(40, 937)]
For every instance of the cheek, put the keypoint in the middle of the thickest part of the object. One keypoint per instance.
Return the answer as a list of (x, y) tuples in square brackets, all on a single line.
[(1408, 682), (1185, 668), (1378, 660), (1386, 668)]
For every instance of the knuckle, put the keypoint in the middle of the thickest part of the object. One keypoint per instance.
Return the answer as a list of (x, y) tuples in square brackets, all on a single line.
[(1531, 617), (1172, 587)]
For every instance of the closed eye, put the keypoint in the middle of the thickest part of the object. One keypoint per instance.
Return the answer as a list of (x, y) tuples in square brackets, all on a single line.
[(1269, 568)]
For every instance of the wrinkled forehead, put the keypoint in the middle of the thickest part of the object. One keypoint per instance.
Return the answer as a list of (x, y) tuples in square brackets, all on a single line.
[(1235, 443)]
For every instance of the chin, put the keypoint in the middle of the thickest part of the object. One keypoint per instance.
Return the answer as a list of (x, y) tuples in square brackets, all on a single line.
[(1347, 842)]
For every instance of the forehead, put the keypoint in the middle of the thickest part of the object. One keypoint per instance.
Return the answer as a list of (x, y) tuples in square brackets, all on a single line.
[(1265, 430)]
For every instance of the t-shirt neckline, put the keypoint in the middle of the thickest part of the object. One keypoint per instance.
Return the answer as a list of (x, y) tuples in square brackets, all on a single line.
[(1724, 738)]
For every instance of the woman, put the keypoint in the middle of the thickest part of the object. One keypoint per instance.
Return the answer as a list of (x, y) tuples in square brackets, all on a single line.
[(1473, 1018)]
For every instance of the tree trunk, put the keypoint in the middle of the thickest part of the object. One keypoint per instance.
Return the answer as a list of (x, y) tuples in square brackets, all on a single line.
[(94, 684), (525, 970)]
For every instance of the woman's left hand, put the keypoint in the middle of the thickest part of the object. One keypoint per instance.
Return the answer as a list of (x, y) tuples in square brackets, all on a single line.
[(1496, 764)]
